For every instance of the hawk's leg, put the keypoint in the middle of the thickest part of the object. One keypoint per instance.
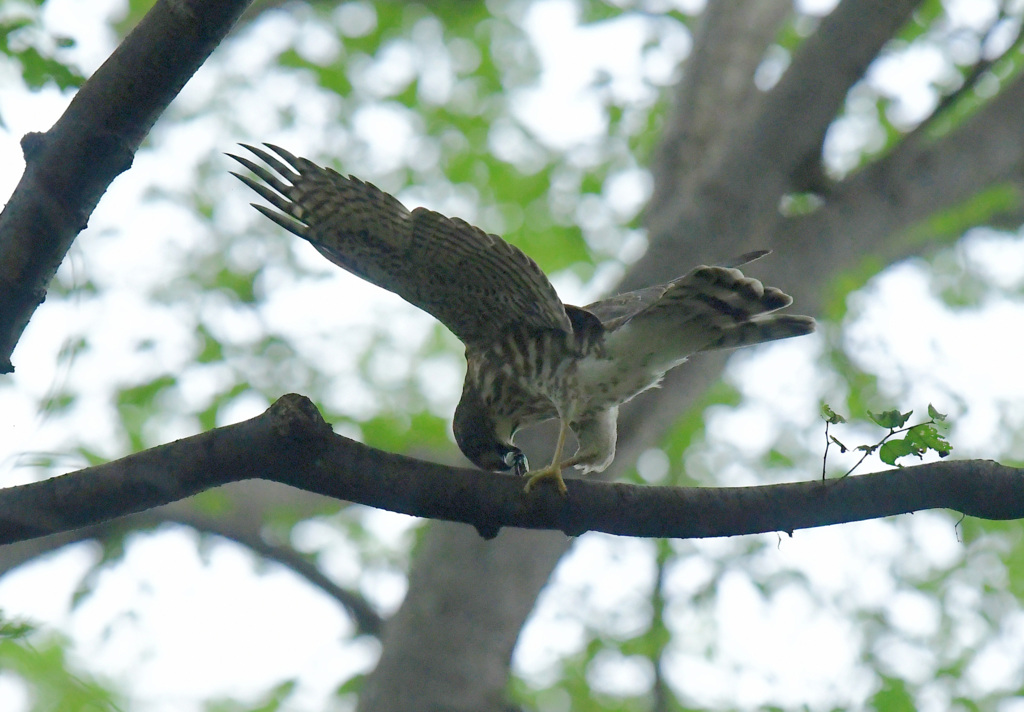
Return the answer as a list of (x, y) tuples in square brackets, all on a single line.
[(596, 435), (554, 470), (573, 461)]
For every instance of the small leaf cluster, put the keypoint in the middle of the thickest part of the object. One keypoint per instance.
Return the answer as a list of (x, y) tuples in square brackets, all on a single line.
[(917, 439), (23, 39), (14, 628)]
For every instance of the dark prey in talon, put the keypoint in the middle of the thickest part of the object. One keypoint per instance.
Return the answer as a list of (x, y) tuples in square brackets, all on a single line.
[(529, 356)]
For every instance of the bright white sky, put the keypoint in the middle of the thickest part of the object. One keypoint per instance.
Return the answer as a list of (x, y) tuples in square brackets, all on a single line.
[(255, 626)]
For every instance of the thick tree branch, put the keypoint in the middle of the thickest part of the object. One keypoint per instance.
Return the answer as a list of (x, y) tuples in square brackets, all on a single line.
[(715, 93), (800, 108), (917, 180), (282, 439), (71, 165), (733, 207), (291, 444)]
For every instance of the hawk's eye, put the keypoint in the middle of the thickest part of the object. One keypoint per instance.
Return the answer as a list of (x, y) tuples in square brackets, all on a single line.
[(515, 460)]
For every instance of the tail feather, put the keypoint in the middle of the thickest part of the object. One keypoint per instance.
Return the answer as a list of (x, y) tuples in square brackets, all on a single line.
[(721, 296), (756, 331)]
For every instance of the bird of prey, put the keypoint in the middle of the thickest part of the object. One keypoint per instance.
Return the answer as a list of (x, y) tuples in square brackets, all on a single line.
[(529, 356)]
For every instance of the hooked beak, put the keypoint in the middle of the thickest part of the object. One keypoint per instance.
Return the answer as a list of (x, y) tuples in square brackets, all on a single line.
[(516, 461)]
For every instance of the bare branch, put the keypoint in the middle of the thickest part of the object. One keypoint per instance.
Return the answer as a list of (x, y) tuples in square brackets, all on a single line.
[(908, 186), (800, 108), (71, 165), (972, 78), (290, 443), (366, 619)]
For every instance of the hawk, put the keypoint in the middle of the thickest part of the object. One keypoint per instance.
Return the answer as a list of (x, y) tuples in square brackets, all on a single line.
[(529, 356)]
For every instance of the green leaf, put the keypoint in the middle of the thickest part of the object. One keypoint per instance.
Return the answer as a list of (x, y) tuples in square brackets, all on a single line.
[(840, 287), (891, 419), (210, 349), (208, 416), (831, 416), (397, 432), (842, 448), (928, 438), (895, 449), (593, 12), (92, 457), (352, 686), (777, 458), (137, 404), (893, 697), (934, 414), (238, 284), (51, 680), (144, 394), (38, 71), (213, 502), (9, 27), (59, 402), (14, 628), (946, 226), (797, 204)]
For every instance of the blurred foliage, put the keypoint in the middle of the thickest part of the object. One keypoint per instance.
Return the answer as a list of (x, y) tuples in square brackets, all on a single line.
[(988, 207), (25, 41), (688, 429), (273, 700), (14, 629), (50, 681), (893, 697)]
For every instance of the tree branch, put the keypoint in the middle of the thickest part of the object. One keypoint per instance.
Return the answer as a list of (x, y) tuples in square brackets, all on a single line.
[(290, 443), (971, 79), (365, 618), (715, 93), (799, 109), (900, 191), (731, 206), (70, 166)]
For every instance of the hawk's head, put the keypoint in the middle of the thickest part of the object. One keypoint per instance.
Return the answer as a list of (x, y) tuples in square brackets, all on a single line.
[(478, 437)]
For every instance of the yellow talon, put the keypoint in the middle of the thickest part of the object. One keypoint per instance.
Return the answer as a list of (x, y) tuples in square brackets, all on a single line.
[(554, 470), (548, 473)]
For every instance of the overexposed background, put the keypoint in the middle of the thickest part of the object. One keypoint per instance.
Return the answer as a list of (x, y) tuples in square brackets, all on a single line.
[(812, 620)]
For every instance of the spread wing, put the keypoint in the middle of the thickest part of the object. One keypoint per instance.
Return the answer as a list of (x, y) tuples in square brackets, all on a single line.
[(474, 283)]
